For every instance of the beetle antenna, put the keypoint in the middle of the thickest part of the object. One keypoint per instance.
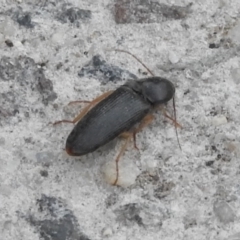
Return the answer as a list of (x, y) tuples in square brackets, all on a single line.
[(119, 50), (175, 124)]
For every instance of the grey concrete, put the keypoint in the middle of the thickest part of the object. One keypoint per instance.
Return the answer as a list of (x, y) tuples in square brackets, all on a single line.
[(188, 194)]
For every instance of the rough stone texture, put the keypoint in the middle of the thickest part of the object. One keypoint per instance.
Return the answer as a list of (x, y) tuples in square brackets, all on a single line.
[(104, 72), (141, 11), (188, 194), (22, 75), (145, 215), (73, 14), (224, 212), (54, 221), (23, 18)]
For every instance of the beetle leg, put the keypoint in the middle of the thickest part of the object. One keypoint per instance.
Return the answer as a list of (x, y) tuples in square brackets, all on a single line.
[(120, 154), (79, 101), (130, 134), (146, 121), (125, 134), (86, 109), (174, 121), (169, 117), (176, 124)]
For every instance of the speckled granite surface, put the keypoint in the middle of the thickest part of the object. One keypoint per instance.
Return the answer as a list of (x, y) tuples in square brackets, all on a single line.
[(54, 52)]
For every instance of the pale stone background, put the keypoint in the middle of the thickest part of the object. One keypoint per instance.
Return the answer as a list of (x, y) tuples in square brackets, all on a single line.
[(188, 194)]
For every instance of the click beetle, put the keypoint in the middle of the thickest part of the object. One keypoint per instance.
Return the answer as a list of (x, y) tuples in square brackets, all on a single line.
[(116, 113)]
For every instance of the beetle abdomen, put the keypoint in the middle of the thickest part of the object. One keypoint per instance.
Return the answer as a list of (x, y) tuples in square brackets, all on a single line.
[(117, 113)]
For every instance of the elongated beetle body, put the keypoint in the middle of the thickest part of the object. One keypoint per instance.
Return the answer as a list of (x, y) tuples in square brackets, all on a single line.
[(117, 113)]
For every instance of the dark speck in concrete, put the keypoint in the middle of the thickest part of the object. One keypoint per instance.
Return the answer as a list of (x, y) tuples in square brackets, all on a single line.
[(73, 15), (9, 43), (23, 76), (213, 45), (45, 87), (44, 173), (141, 11), (98, 68), (7, 68), (25, 20), (209, 163), (22, 18), (130, 213), (142, 214), (25, 72), (54, 221)]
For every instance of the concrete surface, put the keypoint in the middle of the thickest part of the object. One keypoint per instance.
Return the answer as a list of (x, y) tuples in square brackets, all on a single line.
[(47, 53)]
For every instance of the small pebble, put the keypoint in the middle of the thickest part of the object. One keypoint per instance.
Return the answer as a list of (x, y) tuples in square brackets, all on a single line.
[(128, 173), (5, 190), (1, 38), (107, 232), (7, 28), (235, 236), (95, 35), (234, 33), (44, 157), (2, 141), (150, 165), (18, 44), (235, 73), (206, 75), (58, 38), (224, 212), (173, 57), (219, 120), (233, 147)]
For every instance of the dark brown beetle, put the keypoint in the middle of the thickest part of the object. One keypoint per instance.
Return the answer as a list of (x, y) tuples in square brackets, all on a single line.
[(116, 113)]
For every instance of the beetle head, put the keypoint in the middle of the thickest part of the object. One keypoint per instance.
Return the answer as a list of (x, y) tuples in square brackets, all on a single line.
[(156, 90)]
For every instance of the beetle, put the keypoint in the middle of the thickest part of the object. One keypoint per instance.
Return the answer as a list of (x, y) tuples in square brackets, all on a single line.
[(116, 113)]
